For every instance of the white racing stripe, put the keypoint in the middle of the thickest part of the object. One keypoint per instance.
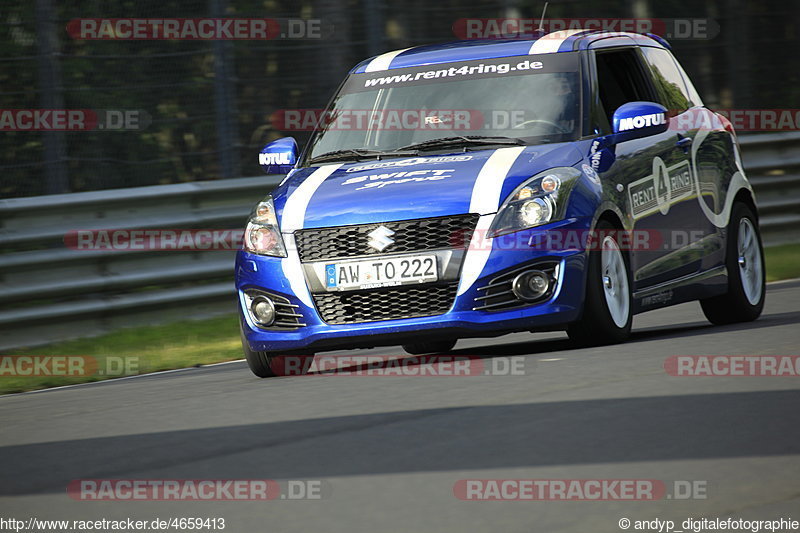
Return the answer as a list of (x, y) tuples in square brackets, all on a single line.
[(383, 61), (293, 271), (489, 183), (294, 214), (294, 211), (485, 201), (552, 41)]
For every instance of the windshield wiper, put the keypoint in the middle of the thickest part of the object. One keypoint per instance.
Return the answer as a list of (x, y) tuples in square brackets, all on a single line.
[(358, 154), (412, 149), (461, 140)]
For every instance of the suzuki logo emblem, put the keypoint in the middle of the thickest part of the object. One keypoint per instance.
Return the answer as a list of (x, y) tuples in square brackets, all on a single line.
[(380, 238)]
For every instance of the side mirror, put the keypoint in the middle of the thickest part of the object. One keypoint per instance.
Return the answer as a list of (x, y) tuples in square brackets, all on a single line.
[(279, 157), (635, 120)]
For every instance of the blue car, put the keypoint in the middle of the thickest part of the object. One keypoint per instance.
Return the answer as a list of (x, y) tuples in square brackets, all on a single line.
[(476, 188)]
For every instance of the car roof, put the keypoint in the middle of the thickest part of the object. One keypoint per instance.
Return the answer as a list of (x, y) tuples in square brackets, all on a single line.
[(554, 42)]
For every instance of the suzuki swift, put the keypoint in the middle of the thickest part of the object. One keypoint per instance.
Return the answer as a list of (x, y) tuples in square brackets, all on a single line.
[(478, 188)]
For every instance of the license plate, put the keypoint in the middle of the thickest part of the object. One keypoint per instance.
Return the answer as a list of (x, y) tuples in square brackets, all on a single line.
[(385, 272)]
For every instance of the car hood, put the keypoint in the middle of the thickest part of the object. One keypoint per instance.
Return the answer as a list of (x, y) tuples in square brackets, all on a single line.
[(414, 187)]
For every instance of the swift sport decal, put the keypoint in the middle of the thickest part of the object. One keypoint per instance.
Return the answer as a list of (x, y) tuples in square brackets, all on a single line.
[(485, 200), (658, 191), (373, 181)]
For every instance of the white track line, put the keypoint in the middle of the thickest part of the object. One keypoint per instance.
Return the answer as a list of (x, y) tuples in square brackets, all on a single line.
[(149, 374)]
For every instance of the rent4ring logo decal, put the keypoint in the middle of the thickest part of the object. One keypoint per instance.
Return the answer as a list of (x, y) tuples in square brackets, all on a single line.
[(462, 70), (662, 188), (450, 72)]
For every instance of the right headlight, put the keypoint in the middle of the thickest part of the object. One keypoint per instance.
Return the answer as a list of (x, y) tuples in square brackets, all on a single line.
[(262, 235), (539, 200)]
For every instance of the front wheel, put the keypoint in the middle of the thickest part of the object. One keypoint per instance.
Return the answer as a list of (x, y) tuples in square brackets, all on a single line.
[(272, 364), (607, 314), (744, 258)]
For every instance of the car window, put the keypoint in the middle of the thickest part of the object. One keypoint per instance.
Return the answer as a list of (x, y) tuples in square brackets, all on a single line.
[(620, 79), (667, 80)]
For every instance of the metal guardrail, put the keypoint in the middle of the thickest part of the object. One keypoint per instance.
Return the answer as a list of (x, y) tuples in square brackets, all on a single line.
[(49, 292), (772, 163)]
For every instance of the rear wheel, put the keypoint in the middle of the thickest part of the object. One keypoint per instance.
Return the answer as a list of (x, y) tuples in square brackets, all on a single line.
[(607, 315), (744, 258), (423, 347)]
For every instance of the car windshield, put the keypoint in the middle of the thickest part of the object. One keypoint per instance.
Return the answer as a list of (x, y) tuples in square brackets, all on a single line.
[(513, 100)]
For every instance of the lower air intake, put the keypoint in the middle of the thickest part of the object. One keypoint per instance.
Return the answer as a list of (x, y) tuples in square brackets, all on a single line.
[(385, 304)]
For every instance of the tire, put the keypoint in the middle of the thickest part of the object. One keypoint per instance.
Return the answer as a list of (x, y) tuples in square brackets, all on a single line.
[(744, 300), (607, 310), (272, 364), (423, 347)]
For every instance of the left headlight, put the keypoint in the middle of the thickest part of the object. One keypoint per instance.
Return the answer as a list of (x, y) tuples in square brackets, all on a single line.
[(262, 235), (539, 200)]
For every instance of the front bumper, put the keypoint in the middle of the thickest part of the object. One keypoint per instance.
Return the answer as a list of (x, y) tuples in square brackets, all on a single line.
[(280, 276)]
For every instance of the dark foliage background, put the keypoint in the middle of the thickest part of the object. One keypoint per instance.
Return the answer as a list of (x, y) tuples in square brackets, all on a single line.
[(211, 102)]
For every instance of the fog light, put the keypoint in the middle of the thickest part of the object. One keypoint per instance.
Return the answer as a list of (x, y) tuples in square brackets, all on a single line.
[(263, 310), (531, 285)]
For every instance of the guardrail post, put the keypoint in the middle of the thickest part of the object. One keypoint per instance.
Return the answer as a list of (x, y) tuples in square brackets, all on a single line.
[(55, 148), (225, 99)]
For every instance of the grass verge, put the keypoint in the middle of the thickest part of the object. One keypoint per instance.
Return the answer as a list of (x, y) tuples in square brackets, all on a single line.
[(137, 350), (783, 262)]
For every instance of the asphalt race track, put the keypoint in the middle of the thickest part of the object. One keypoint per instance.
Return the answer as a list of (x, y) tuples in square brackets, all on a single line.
[(387, 451)]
